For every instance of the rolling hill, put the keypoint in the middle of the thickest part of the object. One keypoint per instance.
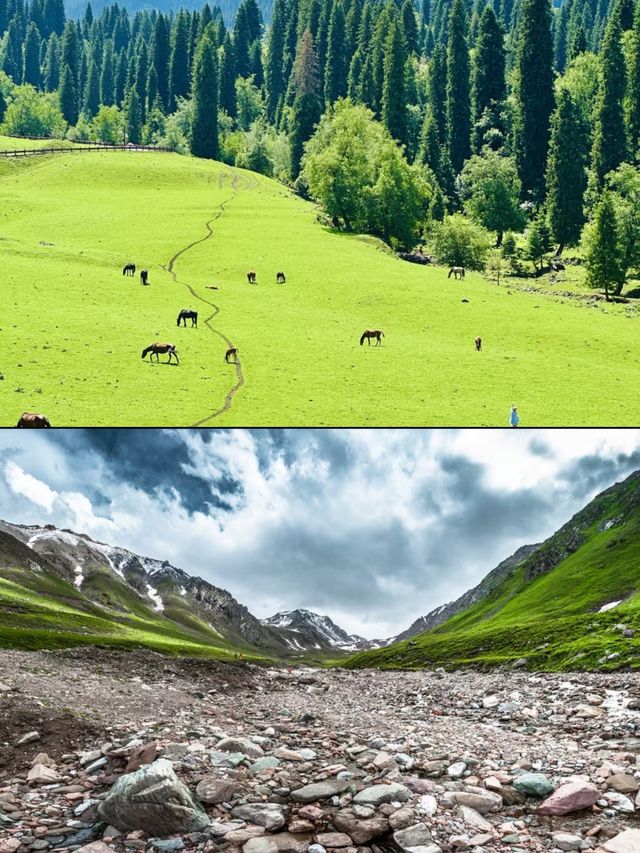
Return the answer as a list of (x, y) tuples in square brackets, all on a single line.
[(73, 328), (572, 602)]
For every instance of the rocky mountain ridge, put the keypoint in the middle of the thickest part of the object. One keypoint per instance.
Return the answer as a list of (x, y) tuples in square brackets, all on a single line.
[(304, 629)]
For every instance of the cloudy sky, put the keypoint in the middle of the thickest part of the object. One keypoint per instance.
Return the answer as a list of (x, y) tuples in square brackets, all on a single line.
[(372, 527)]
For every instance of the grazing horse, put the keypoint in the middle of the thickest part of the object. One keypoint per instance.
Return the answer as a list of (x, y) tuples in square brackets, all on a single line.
[(32, 420), (372, 333), (456, 272), (144, 276), (251, 277), (280, 279), (129, 269), (185, 315), (156, 348), (478, 343), (232, 351)]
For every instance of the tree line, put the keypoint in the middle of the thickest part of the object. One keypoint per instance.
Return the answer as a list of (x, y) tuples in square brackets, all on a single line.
[(516, 113)]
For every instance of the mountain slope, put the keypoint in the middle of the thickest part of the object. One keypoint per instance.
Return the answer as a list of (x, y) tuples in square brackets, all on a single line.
[(304, 629), (572, 603), (76, 590)]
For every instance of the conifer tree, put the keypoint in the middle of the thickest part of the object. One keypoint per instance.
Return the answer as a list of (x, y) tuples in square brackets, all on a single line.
[(52, 64), (566, 172), (533, 94), (437, 94), (228, 78), (256, 69), (133, 124), (107, 76), (458, 88), (393, 95), (335, 75), (204, 134), (142, 73), (121, 78), (179, 65), (409, 26), (610, 134), (68, 96), (488, 86), (31, 68), (633, 94), (91, 101), (54, 16), (307, 105), (3, 106), (604, 255), (160, 57), (71, 52), (12, 62), (275, 83)]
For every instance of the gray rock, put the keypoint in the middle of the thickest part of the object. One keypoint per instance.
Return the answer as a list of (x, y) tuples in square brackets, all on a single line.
[(240, 744), (481, 801), (417, 835), (283, 842), (361, 830), (378, 794), (456, 771), (533, 784), (264, 763), (214, 790), (167, 845), (320, 790), (30, 737), (272, 816), (154, 800)]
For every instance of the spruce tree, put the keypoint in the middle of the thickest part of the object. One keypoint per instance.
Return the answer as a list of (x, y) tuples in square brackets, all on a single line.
[(91, 101), (410, 26), (160, 57), (256, 69), (12, 62), (179, 65), (437, 94), (488, 86), (152, 90), (604, 255), (610, 134), (393, 96), (307, 105), (68, 96), (3, 107), (51, 69), (31, 68), (204, 133), (107, 76), (133, 124), (142, 73), (458, 89), (121, 78), (228, 78), (633, 93), (242, 41), (335, 75), (533, 93), (577, 43), (275, 83), (54, 16), (566, 172), (71, 52)]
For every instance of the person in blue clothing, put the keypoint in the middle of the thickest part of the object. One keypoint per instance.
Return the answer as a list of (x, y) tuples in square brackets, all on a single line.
[(514, 419)]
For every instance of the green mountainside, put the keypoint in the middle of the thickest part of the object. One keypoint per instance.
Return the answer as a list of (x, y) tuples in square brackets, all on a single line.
[(571, 604)]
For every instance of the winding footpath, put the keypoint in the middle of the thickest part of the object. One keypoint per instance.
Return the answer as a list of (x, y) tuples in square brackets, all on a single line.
[(170, 268)]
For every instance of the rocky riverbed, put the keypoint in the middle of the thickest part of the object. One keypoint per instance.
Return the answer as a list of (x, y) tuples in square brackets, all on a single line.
[(101, 751)]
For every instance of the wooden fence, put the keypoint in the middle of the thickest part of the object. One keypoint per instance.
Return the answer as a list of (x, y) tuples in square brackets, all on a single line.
[(29, 152)]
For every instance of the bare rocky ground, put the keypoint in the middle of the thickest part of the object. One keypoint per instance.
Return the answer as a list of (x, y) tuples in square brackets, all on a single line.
[(138, 752)]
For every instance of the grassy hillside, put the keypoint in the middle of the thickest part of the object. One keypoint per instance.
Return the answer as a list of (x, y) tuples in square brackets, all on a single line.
[(553, 619), (39, 610), (73, 328)]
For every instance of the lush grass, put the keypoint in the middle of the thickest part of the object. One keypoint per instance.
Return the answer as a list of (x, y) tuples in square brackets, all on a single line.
[(72, 327), (552, 620), (61, 617)]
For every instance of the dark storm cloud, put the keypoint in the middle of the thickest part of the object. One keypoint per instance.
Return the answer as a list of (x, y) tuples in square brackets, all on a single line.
[(597, 472), (151, 460)]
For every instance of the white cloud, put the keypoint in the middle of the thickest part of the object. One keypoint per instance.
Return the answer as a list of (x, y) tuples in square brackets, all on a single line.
[(22, 483)]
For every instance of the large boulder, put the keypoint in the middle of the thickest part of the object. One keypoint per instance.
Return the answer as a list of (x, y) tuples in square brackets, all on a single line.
[(570, 797), (533, 784), (378, 794), (624, 842), (154, 800), (211, 789)]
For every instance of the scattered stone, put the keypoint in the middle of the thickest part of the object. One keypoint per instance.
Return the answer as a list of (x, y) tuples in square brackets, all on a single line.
[(271, 816), (378, 794), (214, 790), (320, 790), (570, 797), (30, 737), (40, 774), (533, 784), (625, 842)]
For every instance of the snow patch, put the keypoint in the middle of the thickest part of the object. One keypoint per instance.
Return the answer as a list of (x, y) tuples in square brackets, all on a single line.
[(77, 582), (60, 535), (609, 606), (183, 591), (153, 595)]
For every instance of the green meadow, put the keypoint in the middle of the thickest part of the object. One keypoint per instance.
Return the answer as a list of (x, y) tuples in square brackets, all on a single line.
[(72, 328)]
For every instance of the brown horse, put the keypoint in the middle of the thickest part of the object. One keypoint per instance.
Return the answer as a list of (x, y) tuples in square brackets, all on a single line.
[(372, 333), (478, 343), (232, 351), (185, 315), (156, 348), (129, 269), (144, 276), (33, 420), (251, 277), (280, 279), (456, 272)]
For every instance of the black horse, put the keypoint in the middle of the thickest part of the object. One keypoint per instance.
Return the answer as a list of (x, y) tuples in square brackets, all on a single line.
[(129, 269), (280, 278), (185, 315), (144, 276)]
